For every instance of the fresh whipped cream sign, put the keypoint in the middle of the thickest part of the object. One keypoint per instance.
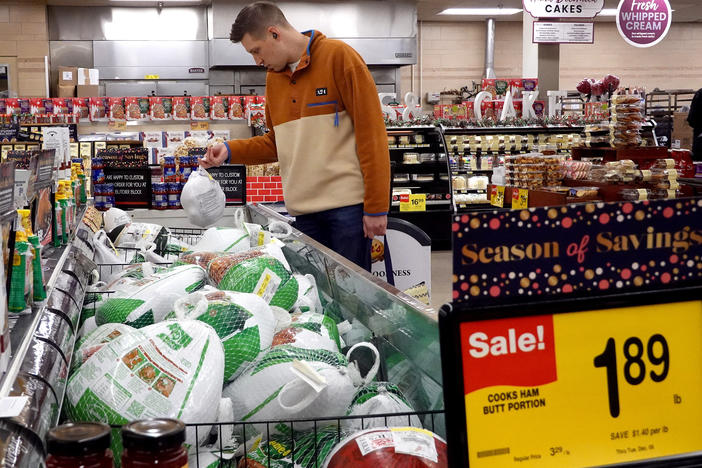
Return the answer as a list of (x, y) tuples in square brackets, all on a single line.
[(563, 8), (644, 23)]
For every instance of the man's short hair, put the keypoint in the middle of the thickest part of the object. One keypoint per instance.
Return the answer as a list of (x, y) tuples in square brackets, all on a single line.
[(254, 19)]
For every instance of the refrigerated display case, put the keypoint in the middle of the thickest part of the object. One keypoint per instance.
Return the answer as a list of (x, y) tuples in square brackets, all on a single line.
[(404, 330), (419, 165)]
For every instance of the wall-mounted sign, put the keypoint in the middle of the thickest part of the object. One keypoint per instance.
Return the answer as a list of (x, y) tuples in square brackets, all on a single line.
[(563, 8), (644, 23), (576, 250), (563, 33)]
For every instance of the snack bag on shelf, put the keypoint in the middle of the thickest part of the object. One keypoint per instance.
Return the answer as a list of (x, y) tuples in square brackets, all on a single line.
[(99, 109), (81, 108), (37, 106), (116, 107), (236, 108), (137, 108)]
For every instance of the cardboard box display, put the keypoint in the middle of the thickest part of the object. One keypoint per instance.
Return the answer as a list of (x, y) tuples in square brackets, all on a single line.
[(66, 90), (87, 91), (681, 137), (67, 76), (88, 76)]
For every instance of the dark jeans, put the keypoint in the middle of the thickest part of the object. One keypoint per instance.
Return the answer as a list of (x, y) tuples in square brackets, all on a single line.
[(340, 229)]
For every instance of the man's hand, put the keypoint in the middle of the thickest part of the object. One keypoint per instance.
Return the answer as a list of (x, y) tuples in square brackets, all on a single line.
[(374, 226), (216, 155)]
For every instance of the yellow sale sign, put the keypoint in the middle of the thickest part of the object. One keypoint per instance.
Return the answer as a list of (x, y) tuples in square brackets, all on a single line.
[(583, 389)]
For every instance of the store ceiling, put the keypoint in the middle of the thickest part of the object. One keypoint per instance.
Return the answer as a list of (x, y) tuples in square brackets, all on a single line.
[(685, 10)]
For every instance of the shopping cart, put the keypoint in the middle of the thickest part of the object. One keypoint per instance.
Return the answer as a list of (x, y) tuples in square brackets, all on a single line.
[(248, 439)]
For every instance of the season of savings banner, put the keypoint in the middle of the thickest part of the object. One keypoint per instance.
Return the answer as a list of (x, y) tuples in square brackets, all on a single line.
[(513, 256)]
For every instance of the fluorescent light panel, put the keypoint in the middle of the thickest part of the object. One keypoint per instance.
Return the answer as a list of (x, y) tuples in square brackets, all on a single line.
[(481, 11)]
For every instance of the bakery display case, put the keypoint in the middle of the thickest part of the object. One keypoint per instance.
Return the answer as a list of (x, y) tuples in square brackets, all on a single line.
[(420, 167), (475, 152)]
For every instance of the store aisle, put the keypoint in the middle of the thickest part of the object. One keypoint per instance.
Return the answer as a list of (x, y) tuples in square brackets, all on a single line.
[(441, 271)]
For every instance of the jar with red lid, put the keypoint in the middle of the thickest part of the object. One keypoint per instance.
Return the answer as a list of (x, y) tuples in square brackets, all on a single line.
[(154, 442), (84, 445)]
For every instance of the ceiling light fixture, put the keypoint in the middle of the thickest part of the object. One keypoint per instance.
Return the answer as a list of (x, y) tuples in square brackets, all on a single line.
[(481, 11)]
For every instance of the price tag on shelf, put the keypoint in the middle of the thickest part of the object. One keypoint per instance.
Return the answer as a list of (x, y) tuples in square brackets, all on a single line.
[(497, 196), (413, 202), (100, 145), (629, 376), (20, 147), (520, 199), (199, 125), (118, 124)]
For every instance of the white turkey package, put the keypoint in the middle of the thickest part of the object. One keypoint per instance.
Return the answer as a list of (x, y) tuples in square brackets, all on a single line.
[(96, 339), (310, 331), (222, 239), (244, 323), (203, 199), (171, 369), (292, 383), (379, 398), (148, 300)]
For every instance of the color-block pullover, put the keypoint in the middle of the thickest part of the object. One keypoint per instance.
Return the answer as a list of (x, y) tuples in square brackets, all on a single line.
[(326, 130)]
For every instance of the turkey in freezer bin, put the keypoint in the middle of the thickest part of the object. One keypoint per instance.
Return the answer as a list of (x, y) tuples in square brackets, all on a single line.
[(203, 200), (244, 323), (222, 239), (379, 398), (259, 271), (148, 300), (308, 295), (293, 383), (96, 339), (406, 447), (310, 330), (309, 450), (172, 369)]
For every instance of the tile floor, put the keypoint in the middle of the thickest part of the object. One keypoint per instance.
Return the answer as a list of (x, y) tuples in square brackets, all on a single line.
[(441, 271)]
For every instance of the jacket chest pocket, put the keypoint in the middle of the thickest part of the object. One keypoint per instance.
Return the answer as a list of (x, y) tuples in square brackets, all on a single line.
[(334, 104)]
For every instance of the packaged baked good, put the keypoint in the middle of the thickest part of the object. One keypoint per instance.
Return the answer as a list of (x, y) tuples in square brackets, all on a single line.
[(200, 108), (236, 107), (665, 194), (459, 183), (667, 163), (12, 106), (422, 177), (635, 194), (99, 109), (667, 184), (136, 108), (219, 107), (427, 157), (181, 107), (401, 178), (37, 106), (81, 108), (626, 99), (160, 108), (581, 192), (530, 84), (62, 106), (116, 109), (488, 85), (410, 158)]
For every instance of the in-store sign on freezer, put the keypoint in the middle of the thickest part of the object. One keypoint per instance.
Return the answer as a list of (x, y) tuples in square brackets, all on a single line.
[(585, 388)]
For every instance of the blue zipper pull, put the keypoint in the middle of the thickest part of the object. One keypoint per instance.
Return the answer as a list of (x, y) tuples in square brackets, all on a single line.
[(336, 114)]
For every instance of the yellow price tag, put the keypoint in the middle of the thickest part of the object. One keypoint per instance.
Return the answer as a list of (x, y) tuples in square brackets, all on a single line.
[(520, 199), (629, 376), (118, 124), (199, 125), (261, 237), (497, 196), (264, 285), (151, 77), (413, 202), (20, 147)]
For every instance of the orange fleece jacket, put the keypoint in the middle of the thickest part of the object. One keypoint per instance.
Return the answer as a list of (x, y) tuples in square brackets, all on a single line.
[(326, 130)]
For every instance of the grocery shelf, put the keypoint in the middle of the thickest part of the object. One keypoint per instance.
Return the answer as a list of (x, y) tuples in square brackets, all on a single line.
[(511, 130)]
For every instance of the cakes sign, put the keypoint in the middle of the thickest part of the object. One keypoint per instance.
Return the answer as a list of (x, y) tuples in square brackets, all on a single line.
[(644, 23), (563, 8)]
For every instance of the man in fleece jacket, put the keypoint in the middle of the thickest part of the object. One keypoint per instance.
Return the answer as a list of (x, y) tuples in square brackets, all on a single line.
[(326, 130)]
